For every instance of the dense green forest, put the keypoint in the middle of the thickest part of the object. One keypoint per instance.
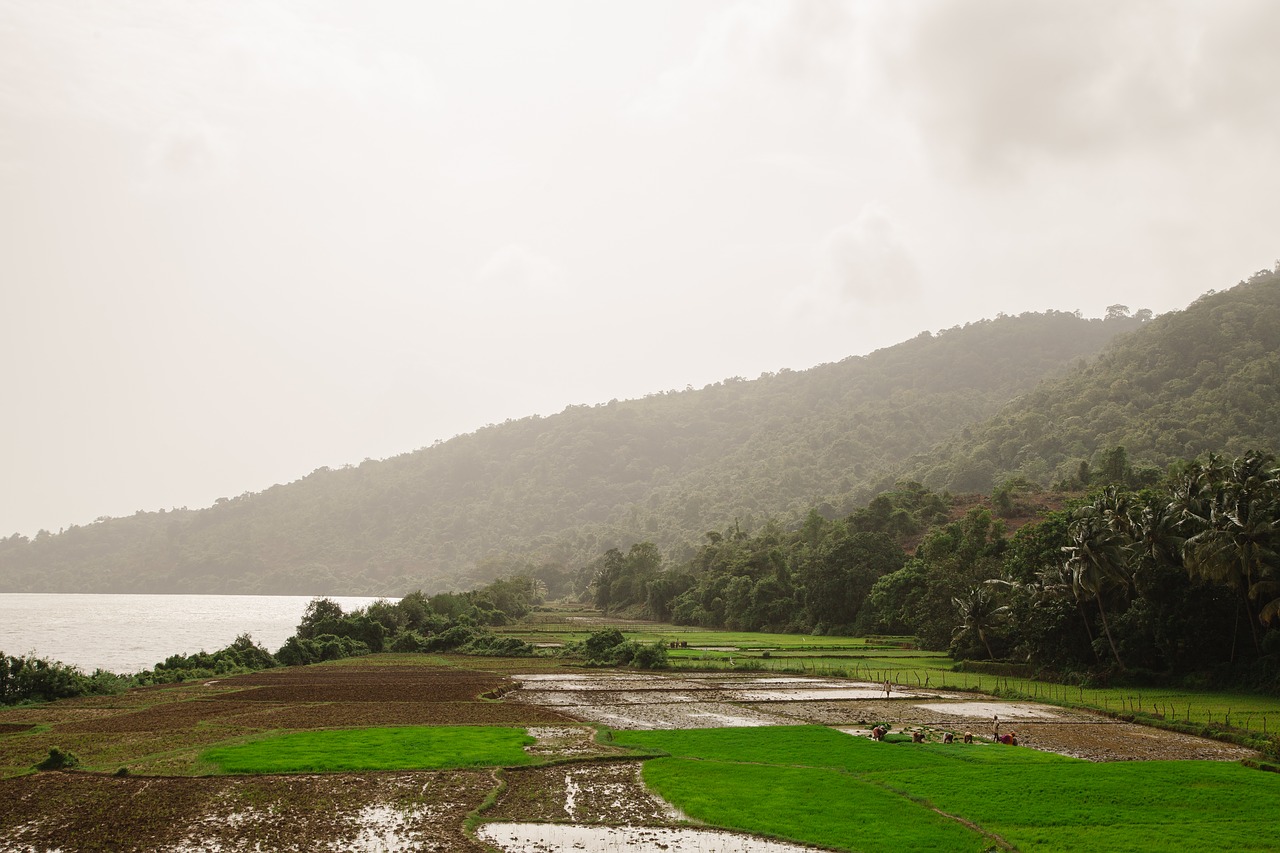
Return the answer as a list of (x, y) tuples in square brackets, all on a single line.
[(1203, 380), (1176, 581), (560, 490), (1041, 399)]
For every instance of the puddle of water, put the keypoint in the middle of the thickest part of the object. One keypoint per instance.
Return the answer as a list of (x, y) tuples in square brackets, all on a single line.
[(380, 828), (560, 676), (807, 682), (728, 721), (810, 694), (990, 709), (546, 837), (686, 715), (570, 795)]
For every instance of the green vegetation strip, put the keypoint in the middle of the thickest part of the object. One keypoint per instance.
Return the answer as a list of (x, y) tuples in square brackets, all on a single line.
[(394, 748), (818, 786)]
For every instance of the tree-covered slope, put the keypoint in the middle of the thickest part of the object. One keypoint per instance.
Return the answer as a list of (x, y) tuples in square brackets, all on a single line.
[(562, 489), (1206, 379)]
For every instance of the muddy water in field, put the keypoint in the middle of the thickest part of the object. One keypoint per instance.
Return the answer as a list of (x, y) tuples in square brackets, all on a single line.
[(549, 837), (715, 700), (688, 702)]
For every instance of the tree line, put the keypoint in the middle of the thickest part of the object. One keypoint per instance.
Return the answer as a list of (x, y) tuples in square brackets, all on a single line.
[(461, 623), (1174, 581)]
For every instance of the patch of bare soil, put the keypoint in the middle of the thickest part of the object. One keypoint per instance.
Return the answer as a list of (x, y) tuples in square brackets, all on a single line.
[(351, 714), (395, 811), (352, 683), (595, 793), (564, 742)]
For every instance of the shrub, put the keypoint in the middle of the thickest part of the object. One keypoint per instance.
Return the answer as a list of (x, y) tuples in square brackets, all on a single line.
[(603, 646), (58, 760), (409, 641), (458, 635), (31, 679), (652, 656), (495, 646), (299, 651)]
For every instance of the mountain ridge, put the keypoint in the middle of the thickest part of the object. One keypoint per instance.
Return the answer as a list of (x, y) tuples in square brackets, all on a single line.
[(664, 468)]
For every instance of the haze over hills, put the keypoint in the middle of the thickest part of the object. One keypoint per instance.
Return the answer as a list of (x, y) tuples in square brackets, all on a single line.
[(1193, 382), (1030, 395)]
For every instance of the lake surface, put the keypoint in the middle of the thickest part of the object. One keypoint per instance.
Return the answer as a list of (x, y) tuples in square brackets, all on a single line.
[(128, 633)]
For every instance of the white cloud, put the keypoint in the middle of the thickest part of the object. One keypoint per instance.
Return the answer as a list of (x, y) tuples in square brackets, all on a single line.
[(867, 262), (516, 270), (138, 64), (998, 86), (190, 152), (754, 49)]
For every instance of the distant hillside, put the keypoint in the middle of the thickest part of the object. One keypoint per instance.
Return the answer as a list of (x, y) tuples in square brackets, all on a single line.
[(1190, 382), (562, 489)]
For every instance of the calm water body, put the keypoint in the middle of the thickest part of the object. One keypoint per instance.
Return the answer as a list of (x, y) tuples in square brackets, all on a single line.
[(128, 633)]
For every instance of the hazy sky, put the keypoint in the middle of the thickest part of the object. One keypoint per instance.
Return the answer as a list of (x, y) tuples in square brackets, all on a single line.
[(242, 239)]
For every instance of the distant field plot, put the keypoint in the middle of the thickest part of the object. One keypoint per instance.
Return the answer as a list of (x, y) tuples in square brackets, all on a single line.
[(895, 659), (399, 748), (559, 627), (805, 784)]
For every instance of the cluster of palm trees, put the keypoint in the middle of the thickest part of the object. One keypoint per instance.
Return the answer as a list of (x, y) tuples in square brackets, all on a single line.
[(1219, 520)]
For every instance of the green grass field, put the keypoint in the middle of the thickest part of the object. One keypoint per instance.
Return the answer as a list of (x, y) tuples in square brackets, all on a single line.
[(398, 748), (818, 786)]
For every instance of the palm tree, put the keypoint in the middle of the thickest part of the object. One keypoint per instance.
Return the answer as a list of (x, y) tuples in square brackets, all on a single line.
[(1156, 542), (1097, 561), (1237, 532), (979, 613)]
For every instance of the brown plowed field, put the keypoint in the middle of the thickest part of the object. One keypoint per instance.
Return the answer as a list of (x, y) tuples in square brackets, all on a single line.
[(161, 730), (163, 802), (157, 734), (66, 811)]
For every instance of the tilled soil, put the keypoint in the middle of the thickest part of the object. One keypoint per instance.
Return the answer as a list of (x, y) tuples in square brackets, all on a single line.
[(156, 735), (591, 793), (68, 811)]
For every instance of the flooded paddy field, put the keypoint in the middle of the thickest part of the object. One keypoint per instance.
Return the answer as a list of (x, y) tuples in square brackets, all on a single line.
[(547, 838), (141, 788), (712, 700)]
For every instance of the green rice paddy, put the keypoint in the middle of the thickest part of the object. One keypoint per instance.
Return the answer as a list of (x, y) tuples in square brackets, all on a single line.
[(815, 785)]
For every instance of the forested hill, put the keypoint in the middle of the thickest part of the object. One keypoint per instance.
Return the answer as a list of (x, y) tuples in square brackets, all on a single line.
[(1206, 379), (562, 489), (666, 469)]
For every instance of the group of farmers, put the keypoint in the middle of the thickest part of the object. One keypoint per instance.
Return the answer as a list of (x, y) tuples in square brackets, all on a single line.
[(917, 736)]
